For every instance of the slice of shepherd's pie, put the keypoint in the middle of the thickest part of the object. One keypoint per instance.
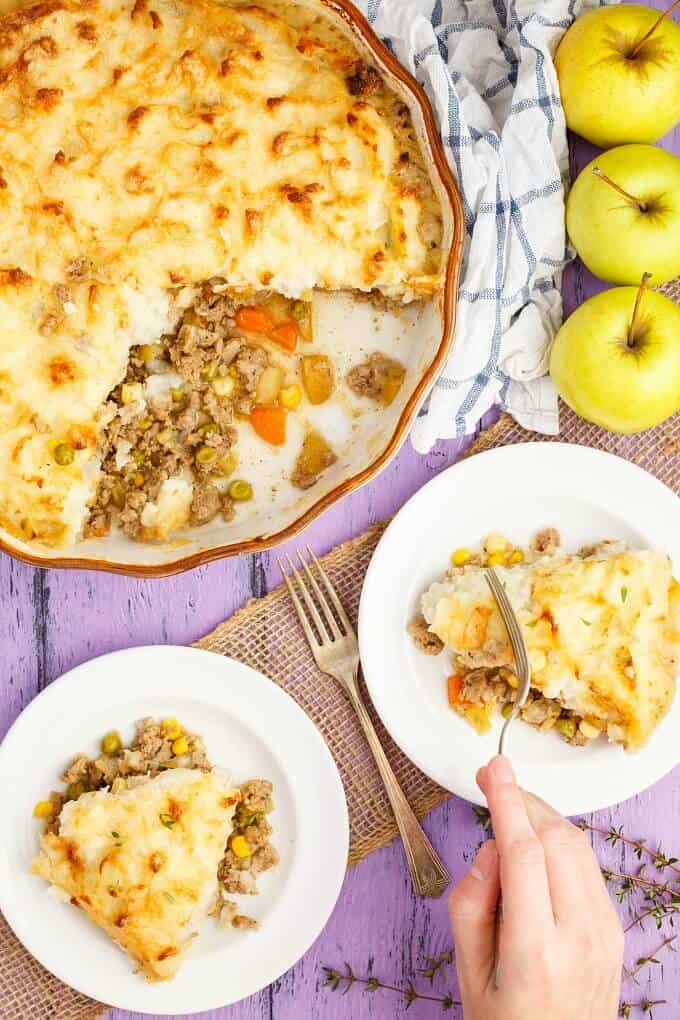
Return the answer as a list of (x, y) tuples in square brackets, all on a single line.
[(142, 862), (602, 629)]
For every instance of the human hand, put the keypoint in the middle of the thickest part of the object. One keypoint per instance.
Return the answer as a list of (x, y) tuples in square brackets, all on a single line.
[(560, 944)]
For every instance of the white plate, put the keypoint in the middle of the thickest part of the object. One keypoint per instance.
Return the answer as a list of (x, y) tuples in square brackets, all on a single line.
[(252, 728), (516, 490)]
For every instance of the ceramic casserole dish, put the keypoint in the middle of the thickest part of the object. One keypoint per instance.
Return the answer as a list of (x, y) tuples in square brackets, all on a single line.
[(365, 437)]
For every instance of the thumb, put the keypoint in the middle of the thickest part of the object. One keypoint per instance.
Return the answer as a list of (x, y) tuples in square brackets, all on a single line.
[(472, 909)]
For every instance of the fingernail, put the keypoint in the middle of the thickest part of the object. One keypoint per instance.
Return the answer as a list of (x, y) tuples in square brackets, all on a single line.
[(503, 770)]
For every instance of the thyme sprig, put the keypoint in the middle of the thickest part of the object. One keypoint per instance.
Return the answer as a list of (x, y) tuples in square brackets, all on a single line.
[(614, 836), (343, 982), (482, 817), (646, 1006), (435, 964), (653, 958), (660, 902)]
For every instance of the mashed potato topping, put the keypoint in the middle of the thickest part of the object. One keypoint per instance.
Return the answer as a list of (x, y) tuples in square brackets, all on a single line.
[(141, 863), (149, 145)]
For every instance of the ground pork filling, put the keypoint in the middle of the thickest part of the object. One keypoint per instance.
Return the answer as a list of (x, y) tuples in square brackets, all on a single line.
[(177, 412), (156, 747), (484, 686), (173, 416)]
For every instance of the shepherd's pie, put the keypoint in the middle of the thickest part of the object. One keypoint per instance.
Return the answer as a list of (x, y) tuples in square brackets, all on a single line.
[(148, 839), (149, 149), (602, 630)]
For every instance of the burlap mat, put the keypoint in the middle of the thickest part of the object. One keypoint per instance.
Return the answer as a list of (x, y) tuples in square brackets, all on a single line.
[(265, 634)]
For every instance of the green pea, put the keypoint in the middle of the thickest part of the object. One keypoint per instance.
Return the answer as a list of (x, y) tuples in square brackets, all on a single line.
[(567, 727), (111, 743), (206, 455), (64, 454), (240, 491)]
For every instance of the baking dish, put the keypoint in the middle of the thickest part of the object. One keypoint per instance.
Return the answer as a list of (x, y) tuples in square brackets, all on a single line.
[(419, 335)]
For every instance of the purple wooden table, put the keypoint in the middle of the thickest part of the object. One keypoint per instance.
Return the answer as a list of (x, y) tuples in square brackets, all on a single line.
[(55, 620)]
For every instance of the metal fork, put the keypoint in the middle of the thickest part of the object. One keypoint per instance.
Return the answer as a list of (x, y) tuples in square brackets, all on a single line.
[(334, 646), (523, 674), (518, 646)]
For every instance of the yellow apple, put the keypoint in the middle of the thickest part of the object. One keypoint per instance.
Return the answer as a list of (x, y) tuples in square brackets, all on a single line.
[(619, 74), (616, 359), (623, 214)]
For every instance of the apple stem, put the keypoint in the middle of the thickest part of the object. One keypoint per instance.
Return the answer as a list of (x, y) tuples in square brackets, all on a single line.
[(631, 329), (642, 206), (635, 50)]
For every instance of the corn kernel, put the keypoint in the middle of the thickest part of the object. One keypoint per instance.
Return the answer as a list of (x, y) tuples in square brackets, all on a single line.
[(131, 392), (147, 352), (171, 729), (290, 397), (460, 557), (495, 544), (43, 809), (180, 746), (512, 680), (496, 559), (224, 385), (240, 847), (516, 556)]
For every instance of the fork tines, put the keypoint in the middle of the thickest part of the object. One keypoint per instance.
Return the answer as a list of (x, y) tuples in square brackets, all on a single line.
[(329, 619)]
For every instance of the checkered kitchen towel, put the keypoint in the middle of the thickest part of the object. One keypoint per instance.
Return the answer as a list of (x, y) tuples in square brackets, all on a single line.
[(488, 71)]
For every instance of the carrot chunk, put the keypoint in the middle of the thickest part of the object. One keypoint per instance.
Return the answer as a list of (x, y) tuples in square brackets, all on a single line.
[(454, 685), (285, 335), (254, 319), (270, 424)]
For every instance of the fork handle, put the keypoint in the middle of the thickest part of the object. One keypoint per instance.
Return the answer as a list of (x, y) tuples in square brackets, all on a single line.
[(429, 875)]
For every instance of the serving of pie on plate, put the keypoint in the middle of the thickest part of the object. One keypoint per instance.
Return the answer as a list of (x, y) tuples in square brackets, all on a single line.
[(127, 815), (149, 839), (177, 183), (600, 621), (602, 629)]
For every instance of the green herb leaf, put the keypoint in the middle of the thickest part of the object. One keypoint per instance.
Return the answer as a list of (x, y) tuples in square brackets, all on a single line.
[(532, 623), (482, 817), (588, 623), (624, 593), (116, 835), (169, 897), (167, 820)]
